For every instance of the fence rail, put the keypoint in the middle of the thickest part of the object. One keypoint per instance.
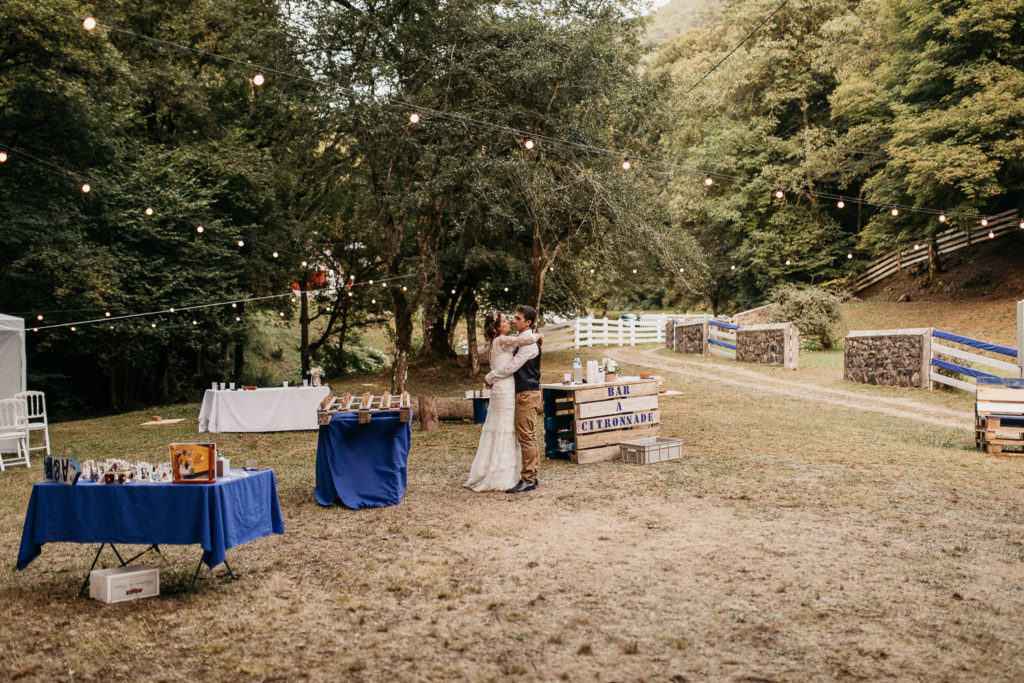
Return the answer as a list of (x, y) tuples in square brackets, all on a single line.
[(722, 338), (940, 349), (945, 242), (584, 332)]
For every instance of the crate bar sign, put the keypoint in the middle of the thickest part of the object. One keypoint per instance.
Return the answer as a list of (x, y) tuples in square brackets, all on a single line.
[(643, 418), (615, 407)]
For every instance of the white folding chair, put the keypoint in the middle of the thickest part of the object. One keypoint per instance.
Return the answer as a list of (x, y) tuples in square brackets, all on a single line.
[(13, 428), (35, 404)]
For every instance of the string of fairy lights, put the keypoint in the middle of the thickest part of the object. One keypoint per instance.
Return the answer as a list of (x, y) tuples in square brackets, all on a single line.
[(420, 115)]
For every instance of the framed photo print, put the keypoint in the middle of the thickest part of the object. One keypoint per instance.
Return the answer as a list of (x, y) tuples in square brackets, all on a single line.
[(194, 463)]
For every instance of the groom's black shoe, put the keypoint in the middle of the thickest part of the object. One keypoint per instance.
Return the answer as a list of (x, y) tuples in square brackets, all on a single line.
[(523, 486)]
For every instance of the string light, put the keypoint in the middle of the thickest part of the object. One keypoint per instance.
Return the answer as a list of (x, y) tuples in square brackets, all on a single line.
[(682, 270), (234, 305), (1022, 225), (86, 188), (258, 79), (779, 194), (282, 314), (591, 271), (529, 143), (73, 328), (841, 204), (171, 309), (453, 291), (3, 157), (88, 23), (404, 288), (414, 118), (151, 325), (149, 210), (626, 165), (942, 218), (709, 181), (275, 254), (200, 229), (350, 294), (732, 267), (991, 235), (195, 322), (634, 271), (373, 301), (238, 319), (849, 255), (984, 222), (39, 317), (787, 262), (107, 314), (506, 289), (916, 247), (304, 264), (241, 243), (895, 211)]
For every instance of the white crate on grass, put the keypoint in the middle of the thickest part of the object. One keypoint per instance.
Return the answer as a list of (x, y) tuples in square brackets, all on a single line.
[(651, 449), (124, 583)]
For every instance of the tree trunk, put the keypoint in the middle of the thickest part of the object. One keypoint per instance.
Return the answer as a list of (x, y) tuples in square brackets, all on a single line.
[(163, 362), (933, 261), (342, 334), (474, 355), (304, 326), (538, 273), (435, 341), (428, 413), (403, 338)]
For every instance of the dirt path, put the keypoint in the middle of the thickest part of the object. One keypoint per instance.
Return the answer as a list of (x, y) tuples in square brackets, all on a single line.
[(745, 377)]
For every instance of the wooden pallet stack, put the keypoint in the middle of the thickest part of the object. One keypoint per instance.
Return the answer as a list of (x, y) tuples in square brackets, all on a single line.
[(365, 406), (999, 415)]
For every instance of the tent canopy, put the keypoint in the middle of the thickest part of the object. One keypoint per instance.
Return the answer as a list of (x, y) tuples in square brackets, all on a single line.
[(12, 355)]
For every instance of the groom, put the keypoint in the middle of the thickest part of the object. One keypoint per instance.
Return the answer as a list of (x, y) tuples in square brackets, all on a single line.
[(525, 365)]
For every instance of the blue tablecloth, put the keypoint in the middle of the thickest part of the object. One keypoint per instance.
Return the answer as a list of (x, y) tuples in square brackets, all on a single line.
[(217, 516), (364, 465)]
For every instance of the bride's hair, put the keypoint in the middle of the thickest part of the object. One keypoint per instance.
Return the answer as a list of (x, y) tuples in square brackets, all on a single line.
[(491, 324)]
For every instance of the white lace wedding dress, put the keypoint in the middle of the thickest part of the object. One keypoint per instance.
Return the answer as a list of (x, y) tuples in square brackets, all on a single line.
[(498, 460)]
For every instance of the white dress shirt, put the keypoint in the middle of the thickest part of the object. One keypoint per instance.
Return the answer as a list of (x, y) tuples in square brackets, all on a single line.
[(524, 354)]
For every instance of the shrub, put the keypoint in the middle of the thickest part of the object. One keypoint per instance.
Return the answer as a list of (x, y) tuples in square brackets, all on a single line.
[(815, 312), (359, 359)]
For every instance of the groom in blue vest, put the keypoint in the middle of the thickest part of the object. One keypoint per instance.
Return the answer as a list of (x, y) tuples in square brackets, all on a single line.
[(525, 366)]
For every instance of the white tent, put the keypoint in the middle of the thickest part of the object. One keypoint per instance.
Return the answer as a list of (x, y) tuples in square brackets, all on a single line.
[(12, 355)]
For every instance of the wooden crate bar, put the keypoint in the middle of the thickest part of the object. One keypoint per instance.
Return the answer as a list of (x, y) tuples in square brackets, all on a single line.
[(615, 406)]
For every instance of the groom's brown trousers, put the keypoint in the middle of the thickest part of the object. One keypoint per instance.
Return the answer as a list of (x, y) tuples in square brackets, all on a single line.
[(527, 407)]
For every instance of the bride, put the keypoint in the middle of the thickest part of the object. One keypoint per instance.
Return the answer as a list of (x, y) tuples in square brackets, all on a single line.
[(498, 460)]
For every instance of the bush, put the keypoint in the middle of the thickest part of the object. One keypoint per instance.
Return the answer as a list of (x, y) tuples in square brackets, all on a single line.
[(815, 312), (359, 359)]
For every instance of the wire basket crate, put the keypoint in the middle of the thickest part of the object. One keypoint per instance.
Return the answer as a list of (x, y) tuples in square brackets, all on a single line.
[(650, 450)]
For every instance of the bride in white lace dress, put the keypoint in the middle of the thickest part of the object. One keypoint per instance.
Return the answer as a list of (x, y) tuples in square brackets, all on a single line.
[(498, 460)]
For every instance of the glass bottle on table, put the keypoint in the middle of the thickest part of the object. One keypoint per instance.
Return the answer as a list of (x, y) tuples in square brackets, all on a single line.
[(577, 370)]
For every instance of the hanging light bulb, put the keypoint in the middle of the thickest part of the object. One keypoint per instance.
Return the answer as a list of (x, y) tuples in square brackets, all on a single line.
[(787, 262), (841, 204), (634, 271), (984, 222), (453, 291), (371, 282), (107, 314), (73, 328), (171, 310), (152, 324), (3, 157), (238, 319), (917, 246), (86, 188), (373, 301), (1022, 225), (849, 255), (234, 305), (779, 194), (241, 243), (732, 267), (149, 210), (709, 181), (991, 235), (88, 23), (682, 270), (895, 211), (626, 165), (942, 218), (414, 118), (36, 329), (528, 144), (591, 271), (304, 264), (350, 294), (258, 79), (282, 314), (195, 322), (39, 317), (200, 229), (275, 254), (404, 288)]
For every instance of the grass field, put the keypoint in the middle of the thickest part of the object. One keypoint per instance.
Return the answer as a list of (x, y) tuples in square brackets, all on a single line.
[(795, 540)]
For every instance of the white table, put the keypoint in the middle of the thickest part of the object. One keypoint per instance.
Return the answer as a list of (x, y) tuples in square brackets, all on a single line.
[(275, 409)]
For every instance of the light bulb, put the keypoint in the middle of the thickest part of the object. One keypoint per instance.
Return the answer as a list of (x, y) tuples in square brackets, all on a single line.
[(942, 218), (282, 314), (199, 229), (149, 210), (634, 271), (304, 264), (1022, 225), (3, 157), (238, 319), (779, 194), (841, 204), (787, 262), (88, 23), (73, 328), (258, 79), (528, 144), (351, 277), (404, 288), (732, 267), (591, 271), (195, 322), (107, 314), (241, 243), (709, 181), (373, 301), (39, 317), (682, 270), (453, 291), (152, 324), (36, 329), (86, 188), (371, 282), (895, 211), (170, 310), (350, 294), (414, 118), (275, 254), (917, 246), (991, 235), (849, 255), (234, 305), (626, 165), (984, 222)]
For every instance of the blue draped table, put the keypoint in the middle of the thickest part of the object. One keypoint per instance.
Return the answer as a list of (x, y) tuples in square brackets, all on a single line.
[(218, 516), (363, 465)]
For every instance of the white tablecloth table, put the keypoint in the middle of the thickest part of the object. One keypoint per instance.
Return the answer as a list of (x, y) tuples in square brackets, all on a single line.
[(274, 409)]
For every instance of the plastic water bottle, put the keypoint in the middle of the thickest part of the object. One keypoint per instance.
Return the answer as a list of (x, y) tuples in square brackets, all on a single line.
[(577, 370)]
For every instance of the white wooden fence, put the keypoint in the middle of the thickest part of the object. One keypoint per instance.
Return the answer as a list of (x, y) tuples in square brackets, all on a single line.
[(583, 332), (949, 352), (951, 240)]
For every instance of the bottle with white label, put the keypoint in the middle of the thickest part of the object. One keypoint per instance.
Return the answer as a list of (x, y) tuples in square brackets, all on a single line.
[(577, 370)]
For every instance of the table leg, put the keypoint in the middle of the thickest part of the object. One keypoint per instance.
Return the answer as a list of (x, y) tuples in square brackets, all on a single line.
[(85, 582), (200, 566)]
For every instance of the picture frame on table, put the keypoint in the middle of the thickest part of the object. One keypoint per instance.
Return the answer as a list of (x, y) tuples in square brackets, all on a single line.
[(194, 463)]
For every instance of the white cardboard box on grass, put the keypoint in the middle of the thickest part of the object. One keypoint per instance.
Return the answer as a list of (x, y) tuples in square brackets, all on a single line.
[(124, 583)]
